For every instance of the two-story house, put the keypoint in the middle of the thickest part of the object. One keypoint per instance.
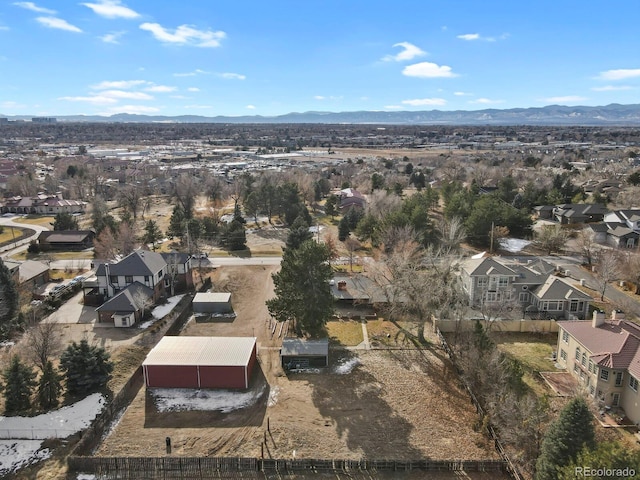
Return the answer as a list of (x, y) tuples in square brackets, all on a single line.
[(532, 285), (604, 357), (141, 266)]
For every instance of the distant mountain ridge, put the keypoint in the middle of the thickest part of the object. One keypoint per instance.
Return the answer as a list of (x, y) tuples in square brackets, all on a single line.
[(613, 114)]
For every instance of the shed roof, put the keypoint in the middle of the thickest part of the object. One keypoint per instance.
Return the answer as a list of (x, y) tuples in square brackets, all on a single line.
[(128, 300), (202, 351), (209, 297), (300, 346)]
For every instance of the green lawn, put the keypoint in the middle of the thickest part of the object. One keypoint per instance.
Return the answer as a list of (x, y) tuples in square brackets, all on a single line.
[(345, 332)]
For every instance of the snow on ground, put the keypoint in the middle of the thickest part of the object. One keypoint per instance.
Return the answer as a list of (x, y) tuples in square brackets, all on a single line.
[(16, 454), (184, 399), (513, 245), (346, 366), (162, 311), (273, 396)]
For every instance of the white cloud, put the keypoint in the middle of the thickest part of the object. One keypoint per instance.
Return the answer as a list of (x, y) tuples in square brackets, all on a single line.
[(330, 97), (319, 97), (428, 70), (232, 76), (161, 88), (111, 9), (417, 102), (180, 97), (111, 37), (409, 52), (461, 94), (123, 94), (620, 74), (198, 106), (392, 107), (193, 89), (34, 8), (612, 88), (565, 99), (485, 101), (197, 71), (118, 84), (251, 107), (95, 99), (58, 23), (11, 104), (185, 35), (469, 36)]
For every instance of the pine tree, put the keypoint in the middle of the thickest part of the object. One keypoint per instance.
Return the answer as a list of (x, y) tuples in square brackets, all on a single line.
[(18, 385), (607, 455), (49, 387), (565, 438), (343, 229), (8, 300), (86, 367), (234, 236), (177, 222), (152, 233), (298, 233)]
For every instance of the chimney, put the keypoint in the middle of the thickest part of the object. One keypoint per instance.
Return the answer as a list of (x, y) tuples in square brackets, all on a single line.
[(617, 315), (598, 319), (342, 285)]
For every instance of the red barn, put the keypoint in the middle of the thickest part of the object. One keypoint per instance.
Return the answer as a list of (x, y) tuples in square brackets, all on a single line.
[(200, 362)]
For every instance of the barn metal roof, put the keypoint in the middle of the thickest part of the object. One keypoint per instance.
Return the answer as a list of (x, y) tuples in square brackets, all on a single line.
[(202, 351), (299, 346)]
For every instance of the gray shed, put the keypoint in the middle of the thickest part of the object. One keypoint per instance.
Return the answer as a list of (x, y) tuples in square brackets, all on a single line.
[(300, 353), (212, 303)]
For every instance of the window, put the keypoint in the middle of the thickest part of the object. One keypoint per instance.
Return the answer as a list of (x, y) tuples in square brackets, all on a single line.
[(604, 375), (554, 306), (128, 279), (633, 383), (619, 377), (578, 353), (491, 297), (146, 279), (584, 359), (565, 336), (582, 374), (523, 297), (482, 282), (124, 321), (592, 390), (575, 368), (503, 282), (576, 306), (113, 278), (563, 355), (591, 366)]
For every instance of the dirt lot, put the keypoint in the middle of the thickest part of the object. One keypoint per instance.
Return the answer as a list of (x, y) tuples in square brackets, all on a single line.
[(401, 404)]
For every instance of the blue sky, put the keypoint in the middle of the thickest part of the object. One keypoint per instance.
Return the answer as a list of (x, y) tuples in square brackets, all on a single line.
[(245, 57)]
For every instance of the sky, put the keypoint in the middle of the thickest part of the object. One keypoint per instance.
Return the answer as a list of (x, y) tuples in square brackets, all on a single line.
[(246, 57)]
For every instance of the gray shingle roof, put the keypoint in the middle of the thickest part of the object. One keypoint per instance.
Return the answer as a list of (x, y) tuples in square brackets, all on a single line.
[(555, 288), (126, 301), (140, 262), (299, 346)]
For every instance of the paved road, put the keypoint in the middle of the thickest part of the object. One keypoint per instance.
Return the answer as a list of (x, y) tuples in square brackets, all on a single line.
[(237, 261), (9, 222)]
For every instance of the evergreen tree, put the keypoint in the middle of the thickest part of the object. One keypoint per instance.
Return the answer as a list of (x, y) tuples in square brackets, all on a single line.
[(234, 237), (607, 455), (565, 438), (298, 233), (86, 367), (65, 221), (343, 229), (302, 289), (8, 301), (330, 206), (177, 222), (18, 385), (49, 387), (152, 233)]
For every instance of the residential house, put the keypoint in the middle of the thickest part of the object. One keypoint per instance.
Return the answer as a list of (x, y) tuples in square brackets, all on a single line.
[(356, 295), (351, 198), (532, 286), (128, 306), (43, 204), (142, 266), (620, 229), (66, 240), (573, 213), (604, 357), (179, 272)]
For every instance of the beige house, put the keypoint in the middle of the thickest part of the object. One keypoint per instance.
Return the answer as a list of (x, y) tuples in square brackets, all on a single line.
[(604, 356)]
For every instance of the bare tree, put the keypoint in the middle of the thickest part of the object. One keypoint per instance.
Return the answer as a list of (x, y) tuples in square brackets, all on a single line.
[(607, 270), (352, 245), (43, 343), (586, 244), (104, 245), (451, 234), (551, 238), (185, 190), (126, 239), (142, 302), (130, 199), (173, 263)]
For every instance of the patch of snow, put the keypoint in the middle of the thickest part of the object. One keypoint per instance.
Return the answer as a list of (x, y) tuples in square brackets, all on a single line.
[(56, 424), (273, 397), (186, 399), (16, 454), (147, 324), (7, 344), (346, 366), (86, 476), (314, 228), (162, 311), (513, 245)]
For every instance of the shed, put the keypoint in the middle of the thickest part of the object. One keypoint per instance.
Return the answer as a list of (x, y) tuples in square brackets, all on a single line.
[(212, 303), (200, 362), (300, 353)]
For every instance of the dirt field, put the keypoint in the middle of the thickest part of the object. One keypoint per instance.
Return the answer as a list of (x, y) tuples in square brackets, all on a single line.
[(400, 404)]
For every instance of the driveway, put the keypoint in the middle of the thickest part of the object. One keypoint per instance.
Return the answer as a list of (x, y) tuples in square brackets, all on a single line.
[(73, 311)]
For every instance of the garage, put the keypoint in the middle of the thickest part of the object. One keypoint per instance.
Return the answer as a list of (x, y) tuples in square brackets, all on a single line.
[(200, 362), (299, 353)]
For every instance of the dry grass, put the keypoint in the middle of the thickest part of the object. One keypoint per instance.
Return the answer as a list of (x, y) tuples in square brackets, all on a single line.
[(345, 332), (382, 332), (43, 221), (9, 234)]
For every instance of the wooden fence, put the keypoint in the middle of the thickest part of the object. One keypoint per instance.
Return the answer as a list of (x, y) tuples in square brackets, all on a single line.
[(210, 467), (510, 468)]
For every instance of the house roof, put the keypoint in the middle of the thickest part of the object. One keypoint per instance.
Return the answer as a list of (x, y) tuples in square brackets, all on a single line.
[(208, 297), (303, 347), (202, 351), (127, 299), (358, 287), (555, 288), (140, 262), (65, 236), (178, 257), (30, 269), (614, 344), (486, 266)]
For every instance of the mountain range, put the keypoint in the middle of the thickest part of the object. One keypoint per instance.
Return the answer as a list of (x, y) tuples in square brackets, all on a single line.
[(614, 114)]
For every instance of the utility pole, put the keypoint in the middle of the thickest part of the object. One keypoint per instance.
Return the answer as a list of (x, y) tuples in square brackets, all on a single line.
[(491, 238)]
